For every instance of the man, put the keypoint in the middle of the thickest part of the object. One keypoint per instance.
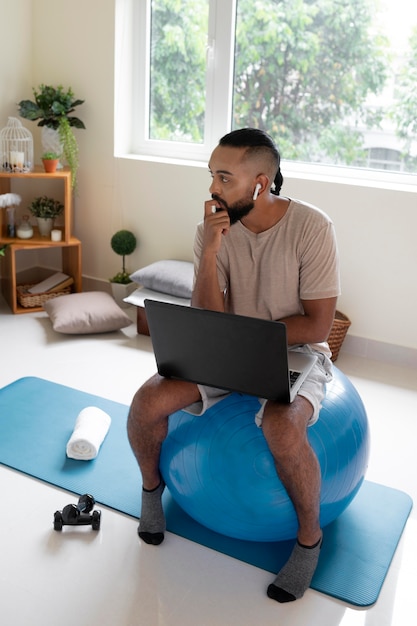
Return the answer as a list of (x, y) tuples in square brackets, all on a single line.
[(261, 255)]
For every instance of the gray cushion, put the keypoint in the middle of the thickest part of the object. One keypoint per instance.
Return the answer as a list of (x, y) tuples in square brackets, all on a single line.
[(85, 313), (172, 277)]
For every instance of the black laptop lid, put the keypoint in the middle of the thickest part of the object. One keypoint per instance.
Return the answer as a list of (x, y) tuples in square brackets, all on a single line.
[(222, 350)]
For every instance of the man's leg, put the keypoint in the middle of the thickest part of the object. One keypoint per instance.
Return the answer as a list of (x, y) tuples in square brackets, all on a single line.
[(147, 428), (285, 429)]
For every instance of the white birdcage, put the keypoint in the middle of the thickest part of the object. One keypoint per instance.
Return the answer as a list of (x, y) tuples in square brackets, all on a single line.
[(16, 147)]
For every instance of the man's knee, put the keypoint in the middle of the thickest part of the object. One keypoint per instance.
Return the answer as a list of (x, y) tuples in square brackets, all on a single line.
[(158, 397), (297, 413), (280, 432), (145, 401), (150, 390), (286, 424)]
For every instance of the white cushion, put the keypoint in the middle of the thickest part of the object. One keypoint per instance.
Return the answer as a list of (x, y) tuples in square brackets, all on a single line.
[(138, 297)]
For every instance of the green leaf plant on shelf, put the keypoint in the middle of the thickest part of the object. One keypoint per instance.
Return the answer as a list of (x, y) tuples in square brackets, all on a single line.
[(53, 106), (123, 243), (45, 210), (45, 207)]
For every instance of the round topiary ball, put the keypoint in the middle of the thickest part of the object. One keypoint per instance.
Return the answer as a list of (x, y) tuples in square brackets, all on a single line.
[(123, 242)]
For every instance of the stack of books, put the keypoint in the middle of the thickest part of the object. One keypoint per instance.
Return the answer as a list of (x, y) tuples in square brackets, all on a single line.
[(56, 282)]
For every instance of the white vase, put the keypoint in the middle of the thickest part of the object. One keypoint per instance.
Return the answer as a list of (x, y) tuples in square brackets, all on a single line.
[(45, 225), (51, 142), (120, 292)]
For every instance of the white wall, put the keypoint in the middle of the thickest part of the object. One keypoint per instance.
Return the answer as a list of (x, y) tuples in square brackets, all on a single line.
[(162, 203), (15, 55), (376, 230)]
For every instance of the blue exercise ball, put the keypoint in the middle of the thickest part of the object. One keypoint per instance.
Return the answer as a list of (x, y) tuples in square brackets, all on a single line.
[(220, 471)]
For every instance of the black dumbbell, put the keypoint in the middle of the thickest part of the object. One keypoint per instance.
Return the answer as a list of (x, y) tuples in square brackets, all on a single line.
[(78, 514)]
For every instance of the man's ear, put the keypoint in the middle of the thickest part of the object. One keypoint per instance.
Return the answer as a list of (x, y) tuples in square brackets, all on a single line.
[(262, 183), (257, 190)]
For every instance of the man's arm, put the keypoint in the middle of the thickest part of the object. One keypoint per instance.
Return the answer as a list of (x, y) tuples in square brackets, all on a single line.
[(315, 325), (206, 293)]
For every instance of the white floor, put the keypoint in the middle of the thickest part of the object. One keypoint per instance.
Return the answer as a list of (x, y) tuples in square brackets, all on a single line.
[(80, 577)]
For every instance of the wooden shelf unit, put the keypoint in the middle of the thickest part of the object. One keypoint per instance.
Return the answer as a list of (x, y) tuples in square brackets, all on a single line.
[(6, 181), (70, 246), (71, 265)]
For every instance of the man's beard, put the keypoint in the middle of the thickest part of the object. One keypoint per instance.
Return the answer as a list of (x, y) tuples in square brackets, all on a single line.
[(236, 211)]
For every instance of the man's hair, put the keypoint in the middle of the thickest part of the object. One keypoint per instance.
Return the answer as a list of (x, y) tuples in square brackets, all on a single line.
[(257, 142)]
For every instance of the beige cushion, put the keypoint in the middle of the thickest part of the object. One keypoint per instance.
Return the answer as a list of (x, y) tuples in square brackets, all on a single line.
[(85, 313), (172, 277)]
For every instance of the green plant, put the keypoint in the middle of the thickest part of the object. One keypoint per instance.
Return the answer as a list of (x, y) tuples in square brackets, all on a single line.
[(50, 156), (45, 207), (3, 250), (70, 148), (52, 107), (123, 243)]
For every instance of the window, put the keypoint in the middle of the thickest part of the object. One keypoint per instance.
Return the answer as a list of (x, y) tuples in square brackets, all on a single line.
[(384, 158), (326, 78), (177, 71)]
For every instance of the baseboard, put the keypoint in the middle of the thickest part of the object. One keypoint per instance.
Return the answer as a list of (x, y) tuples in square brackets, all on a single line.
[(96, 284), (380, 351)]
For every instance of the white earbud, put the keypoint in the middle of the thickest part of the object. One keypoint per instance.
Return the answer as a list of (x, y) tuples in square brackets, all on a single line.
[(256, 192)]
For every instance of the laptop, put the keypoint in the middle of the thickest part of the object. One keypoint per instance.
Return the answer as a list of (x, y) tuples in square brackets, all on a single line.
[(232, 352)]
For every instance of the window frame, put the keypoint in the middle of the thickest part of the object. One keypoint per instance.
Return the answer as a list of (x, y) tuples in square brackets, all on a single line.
[(131, 132), (132, 38)]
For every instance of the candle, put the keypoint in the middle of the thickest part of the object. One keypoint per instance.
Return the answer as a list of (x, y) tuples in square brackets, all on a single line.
[(17, 159), (56, 235)]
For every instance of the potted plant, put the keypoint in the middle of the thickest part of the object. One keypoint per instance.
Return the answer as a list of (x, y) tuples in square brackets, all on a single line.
[(53, 106), (50, 161), (45, 210), (122, 243)]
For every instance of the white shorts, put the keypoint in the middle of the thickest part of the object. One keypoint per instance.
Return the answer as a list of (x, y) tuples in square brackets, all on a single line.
[(313, 389)]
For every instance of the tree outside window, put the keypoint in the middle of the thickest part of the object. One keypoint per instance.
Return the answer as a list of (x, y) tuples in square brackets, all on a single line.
[(321, 76)]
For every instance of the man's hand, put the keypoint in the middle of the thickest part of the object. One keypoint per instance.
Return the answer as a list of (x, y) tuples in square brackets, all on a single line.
[(216, 224)]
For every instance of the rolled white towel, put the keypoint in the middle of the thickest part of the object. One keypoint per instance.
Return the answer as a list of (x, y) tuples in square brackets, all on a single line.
[(90, 429)]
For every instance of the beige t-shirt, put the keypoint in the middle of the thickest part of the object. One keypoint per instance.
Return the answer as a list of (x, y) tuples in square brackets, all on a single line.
[(266, 275)]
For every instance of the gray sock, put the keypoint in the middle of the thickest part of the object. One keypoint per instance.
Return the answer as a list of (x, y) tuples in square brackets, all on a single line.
[(295, 577), (152, 519)]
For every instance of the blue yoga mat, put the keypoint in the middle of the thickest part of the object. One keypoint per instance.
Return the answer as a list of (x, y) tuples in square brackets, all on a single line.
[(37, 418)]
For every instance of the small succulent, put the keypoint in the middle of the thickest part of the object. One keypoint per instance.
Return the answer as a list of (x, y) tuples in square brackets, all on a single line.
[(50, 156)]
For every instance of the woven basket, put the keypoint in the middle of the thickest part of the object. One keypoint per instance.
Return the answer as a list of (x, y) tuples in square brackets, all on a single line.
[(28, 300), (338, 332)]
